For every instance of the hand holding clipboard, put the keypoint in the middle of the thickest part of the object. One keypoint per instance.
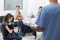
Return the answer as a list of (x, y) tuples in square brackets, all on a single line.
[(31, 24), (29, 19)]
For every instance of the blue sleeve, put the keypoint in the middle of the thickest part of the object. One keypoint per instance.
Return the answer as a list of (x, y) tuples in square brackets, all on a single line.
[(4, 25), (41, 18)]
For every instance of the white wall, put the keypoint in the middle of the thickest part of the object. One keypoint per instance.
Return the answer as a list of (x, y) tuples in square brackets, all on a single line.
[(2, 12), (1, 7), (34, 4), (29, 7), (59, 1)]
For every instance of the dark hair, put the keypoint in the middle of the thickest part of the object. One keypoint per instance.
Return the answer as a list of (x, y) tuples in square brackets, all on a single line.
[(40, 7), (18, 6), (7, 17)]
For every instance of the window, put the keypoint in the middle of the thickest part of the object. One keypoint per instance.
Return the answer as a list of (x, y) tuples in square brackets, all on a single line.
[(11, 4)]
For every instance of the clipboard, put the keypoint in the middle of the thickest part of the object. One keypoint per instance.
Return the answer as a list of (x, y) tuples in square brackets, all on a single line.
[(29, 19)]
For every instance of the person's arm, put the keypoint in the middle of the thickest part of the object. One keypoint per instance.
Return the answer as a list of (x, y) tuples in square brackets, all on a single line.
[(39, 29), (9, 30), (21, 17), (16, 17), (40, 22)]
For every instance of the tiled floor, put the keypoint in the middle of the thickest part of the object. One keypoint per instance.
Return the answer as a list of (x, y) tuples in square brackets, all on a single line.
[(1, 37), (28, 36)]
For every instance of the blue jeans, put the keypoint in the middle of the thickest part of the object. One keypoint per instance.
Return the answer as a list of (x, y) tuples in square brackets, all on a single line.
[(16, 36), (34, 32), (21, 26)]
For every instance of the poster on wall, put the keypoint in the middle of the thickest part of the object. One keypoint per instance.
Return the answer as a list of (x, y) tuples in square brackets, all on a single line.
[(11, 4)]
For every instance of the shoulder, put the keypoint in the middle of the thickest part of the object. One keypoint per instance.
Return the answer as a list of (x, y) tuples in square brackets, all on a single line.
[(4, 24), (51, 6), (46, 7)]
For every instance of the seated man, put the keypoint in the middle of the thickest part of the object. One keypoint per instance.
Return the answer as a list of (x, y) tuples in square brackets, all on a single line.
[(20, 18), (20, 22)]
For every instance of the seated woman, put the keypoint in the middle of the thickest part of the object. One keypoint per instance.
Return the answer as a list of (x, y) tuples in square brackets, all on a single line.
[(8, 30)]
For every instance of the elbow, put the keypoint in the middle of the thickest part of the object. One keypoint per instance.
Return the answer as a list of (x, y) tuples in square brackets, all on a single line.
[(40, 29)]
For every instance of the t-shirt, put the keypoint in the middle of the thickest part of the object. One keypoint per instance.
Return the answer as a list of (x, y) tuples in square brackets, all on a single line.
[(19, 16), (49, 19), (4, 29)]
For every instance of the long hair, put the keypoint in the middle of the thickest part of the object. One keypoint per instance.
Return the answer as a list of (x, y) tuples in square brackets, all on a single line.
[(7, 17)]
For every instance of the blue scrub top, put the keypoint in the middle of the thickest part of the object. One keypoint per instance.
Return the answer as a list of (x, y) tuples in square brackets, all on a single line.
[(49, 19)]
